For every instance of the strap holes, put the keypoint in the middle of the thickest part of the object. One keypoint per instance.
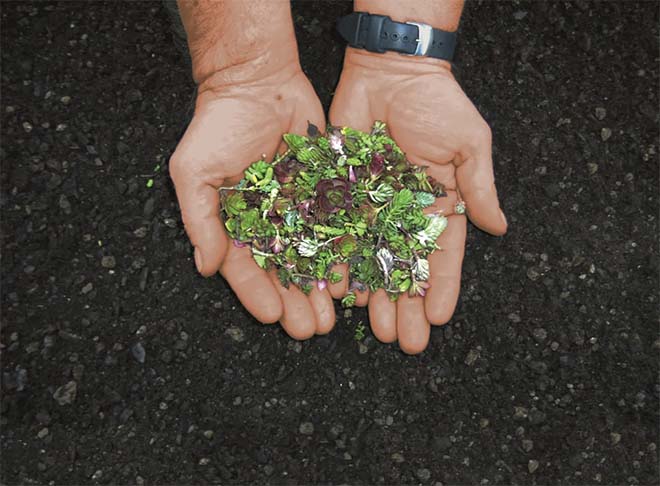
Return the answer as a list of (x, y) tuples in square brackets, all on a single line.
[(395, 36), (405, 38)]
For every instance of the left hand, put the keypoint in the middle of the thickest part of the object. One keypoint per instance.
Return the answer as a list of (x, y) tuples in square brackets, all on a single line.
[(435, 124)]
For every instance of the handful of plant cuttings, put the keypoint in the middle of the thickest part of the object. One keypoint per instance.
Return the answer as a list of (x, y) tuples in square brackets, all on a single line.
[(347, 197)]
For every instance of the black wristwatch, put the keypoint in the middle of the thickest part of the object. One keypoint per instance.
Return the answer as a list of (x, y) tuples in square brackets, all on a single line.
[(379, 33)]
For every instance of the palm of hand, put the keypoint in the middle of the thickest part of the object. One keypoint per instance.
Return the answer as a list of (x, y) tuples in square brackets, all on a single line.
[(232, 127), (436, 125)]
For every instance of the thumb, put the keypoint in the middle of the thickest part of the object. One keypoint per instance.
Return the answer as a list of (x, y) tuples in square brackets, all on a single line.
[(476, 182), (200, 211)]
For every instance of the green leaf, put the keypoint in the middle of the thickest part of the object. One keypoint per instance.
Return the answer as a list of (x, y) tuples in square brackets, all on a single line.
[(235, 204), (347, 245), (284, 277), (359, 331), (349, 300), (383, 193), (295, 142), (335, 277), (310, 155), (329, 230), (424, 199), (291, 217), (402, 200), (307, 247), (404, 285), (421, 269), (230, 224), (260, 259), (436, 225), (257, 171)]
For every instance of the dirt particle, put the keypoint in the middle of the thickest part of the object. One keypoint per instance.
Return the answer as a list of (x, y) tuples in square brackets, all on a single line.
[(66, 394), (306, 428)]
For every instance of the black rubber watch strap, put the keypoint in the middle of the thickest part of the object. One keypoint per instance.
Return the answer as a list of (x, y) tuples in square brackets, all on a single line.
[(379, 33)]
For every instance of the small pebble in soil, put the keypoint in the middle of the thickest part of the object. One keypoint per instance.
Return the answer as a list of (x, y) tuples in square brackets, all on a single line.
[(600, 112), (138, 352), (540, 334), (527, 445), (605, 134), (306, 428), (423, 474), (471, 357), (532, 466), (108, 261), (42, 433), (236, 333), (66, 394), (615, 437), (396, 457)]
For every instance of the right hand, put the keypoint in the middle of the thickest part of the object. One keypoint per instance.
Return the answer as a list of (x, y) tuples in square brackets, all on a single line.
[(234, 124)]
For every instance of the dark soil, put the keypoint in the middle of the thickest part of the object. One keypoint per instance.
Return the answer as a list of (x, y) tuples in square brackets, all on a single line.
[(548, 373)]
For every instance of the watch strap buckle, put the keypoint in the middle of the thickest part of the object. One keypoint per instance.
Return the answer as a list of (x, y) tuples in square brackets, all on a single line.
[(424, 38)]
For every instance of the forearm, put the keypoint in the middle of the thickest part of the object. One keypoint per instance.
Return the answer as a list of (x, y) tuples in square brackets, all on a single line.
[(244, 39), (441, 14)]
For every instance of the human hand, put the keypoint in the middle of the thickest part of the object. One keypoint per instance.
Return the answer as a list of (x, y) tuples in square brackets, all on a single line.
[(437, 126), (234, 124)]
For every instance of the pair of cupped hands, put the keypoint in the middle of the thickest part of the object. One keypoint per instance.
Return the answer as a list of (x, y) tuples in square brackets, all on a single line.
[(237, 120)]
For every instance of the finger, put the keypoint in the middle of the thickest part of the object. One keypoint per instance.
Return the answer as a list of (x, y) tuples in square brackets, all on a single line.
[(350, 106), (445, 272), (298, 316), (412, 327), (339, 289), (476, 183), (361, 298), (251, 285), (200, 210), (305, 114), (324, 310), (382, 316), (445, 205)]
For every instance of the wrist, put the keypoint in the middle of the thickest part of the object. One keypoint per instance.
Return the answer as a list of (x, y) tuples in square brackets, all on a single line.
[(262, 60), (393, 63), (267, 68)]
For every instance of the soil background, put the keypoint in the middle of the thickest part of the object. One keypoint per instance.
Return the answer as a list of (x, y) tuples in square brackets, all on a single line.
[(547, 374)]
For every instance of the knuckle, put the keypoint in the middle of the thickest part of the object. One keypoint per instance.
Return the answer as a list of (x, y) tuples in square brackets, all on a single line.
[(176, 167), (483, 133)]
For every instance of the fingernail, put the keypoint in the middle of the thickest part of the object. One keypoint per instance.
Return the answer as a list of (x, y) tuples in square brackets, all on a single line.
[(504, 218), (199, 262)]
